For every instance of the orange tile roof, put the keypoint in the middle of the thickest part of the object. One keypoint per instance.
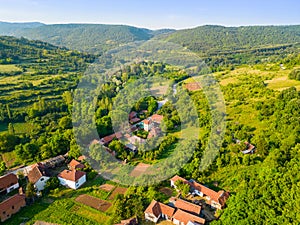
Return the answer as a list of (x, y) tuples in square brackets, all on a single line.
[(157, 118), (72, 175), (156, 208), (8, 180), (176, 178), (12, 201), (75, 164), (132, 115), (81, 158), (186, 206), (146, 121), (185, 217), (219, 197), (36, 173), (153, 208)]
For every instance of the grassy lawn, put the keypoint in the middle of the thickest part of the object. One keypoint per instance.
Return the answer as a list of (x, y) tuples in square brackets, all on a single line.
[(281, 83), (20, 128), (9, 158)]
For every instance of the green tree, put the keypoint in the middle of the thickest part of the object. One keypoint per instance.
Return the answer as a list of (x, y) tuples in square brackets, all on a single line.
[(30, 191), (65, 122), (2, 168)]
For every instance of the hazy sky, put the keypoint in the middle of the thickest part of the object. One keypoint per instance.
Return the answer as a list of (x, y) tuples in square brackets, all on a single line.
[(153, 13)]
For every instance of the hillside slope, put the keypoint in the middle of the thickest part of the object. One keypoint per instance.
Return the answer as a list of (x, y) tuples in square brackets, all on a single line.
[(93, 38), (217, 39)]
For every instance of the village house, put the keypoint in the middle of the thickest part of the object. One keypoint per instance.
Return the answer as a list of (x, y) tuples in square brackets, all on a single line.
[(250, 148), (131, 147), (107, 139), (176, 178), (8, 183), (38, 176), (131, 221), (74, 165), (133, 117), (53, 162), (185, 205), (81, 158), (72, 178), (11, 206), (152, 122), (215, 199), (184, 218), (147, 124), (157, 118), (154, 132), (157, 210), (136, 140)]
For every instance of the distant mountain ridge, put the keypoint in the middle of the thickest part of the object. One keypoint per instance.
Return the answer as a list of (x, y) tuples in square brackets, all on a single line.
[(205, 40), (84, 37), (216, 39)]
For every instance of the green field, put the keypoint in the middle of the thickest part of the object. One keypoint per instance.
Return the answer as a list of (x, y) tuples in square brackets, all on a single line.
[(9, 68), (20, 128)]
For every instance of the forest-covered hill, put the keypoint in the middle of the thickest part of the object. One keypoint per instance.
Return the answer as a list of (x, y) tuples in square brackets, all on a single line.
[(218, 39), (205, 40), (84, 37)]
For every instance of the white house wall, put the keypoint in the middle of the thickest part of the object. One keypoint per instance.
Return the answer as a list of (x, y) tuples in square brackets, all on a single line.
[(13, 187), (72, 184), (40, 184)]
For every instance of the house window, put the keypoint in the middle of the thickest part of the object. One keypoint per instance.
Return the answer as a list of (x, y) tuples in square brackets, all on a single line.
[(13, 207), (42, 178), (3, 212)]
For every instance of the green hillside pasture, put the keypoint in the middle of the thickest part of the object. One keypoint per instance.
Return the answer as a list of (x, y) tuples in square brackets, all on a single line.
[(281, 83), (9, 68), (9, 158), (20, 128)]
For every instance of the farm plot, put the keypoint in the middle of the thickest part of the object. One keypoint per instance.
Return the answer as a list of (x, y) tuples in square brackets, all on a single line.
[(94, 202), (167, 191), (107, 187), (118, 190)]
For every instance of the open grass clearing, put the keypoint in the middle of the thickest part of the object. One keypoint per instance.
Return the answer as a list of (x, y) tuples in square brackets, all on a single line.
[(9, 68), (9, 158), (281, 83)]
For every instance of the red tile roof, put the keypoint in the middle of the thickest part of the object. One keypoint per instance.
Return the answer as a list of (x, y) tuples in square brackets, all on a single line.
[(146, 121), (81, 158), (219, 197), (157, 118), (176, 178), (72, 175), (109, 138), (17, 199), (38, 170), (134, 120), (131, 221), (76, 165), (185, 217), (186, 206), (132, 115), (156, 208), (8, 180)]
